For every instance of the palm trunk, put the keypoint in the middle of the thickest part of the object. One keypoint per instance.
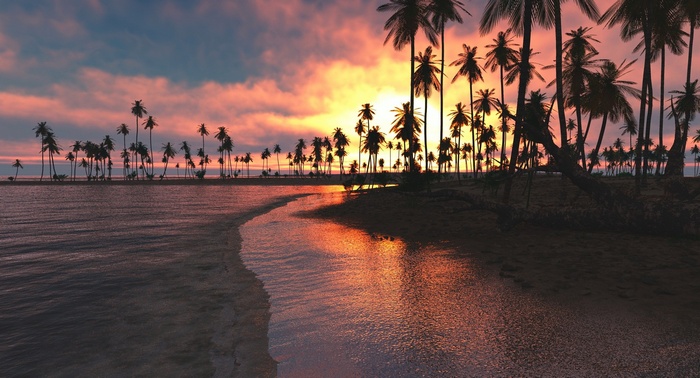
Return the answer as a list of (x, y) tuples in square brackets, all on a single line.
[(642, 106), (425, 133), (42, 161), (661, 106), (559, 74), (647, 130), (409, 121), (600, 140), (503, 122), (471, 106), (522, 88), (442, 76), (137, 143)]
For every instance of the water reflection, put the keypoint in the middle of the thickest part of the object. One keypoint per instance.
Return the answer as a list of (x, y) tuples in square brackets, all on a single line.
[(348, 303)]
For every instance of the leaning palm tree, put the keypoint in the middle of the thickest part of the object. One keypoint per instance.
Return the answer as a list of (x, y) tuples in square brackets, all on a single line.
[(360, 129), (502, 56), (168, 153), (51, 145), (17, 165), (138, 110), (684, 109), (40, 131), (469, 67), (442, 11), (610, 96), (407, 18), (149, 124), (425, 81)]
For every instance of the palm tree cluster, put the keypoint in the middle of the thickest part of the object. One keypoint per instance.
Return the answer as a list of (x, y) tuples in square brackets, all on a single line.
[(584, 83)]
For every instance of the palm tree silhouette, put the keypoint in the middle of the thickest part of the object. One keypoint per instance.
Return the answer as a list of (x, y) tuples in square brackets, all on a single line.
[(149, 124), (683, 109), (51, 145), (406, 129), (168, 153), (373, 143), (366, 113), (408, 16), (341, 141), (502, 56), (220, 135), (459, 119), (426, 79), (138, 110), (276, 150), (17, 165), (441, 12), (202, 130), (608, 94), (108, 144), (247, 160), (123, 129), (40, 131), (469, 68)]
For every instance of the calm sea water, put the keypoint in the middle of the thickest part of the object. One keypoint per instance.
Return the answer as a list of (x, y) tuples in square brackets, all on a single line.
[(116, 280), (345, 303)]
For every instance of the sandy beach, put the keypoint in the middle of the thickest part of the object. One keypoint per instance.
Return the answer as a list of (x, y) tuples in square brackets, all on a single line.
[(657, 275)]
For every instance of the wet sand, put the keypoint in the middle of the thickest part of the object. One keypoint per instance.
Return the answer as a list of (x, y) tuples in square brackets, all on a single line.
[(654, 275)]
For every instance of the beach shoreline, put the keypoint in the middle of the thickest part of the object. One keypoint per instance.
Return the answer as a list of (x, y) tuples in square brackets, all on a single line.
[(253, 181), (653, 274)]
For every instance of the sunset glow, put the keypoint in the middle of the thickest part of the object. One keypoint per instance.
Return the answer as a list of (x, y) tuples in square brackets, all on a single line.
[(271, 72)]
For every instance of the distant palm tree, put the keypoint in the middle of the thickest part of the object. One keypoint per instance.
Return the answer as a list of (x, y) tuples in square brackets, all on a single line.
[(51, 145), (341, 141), (40, 131), (265, 156), (276, 150), (76, 147), (138, 110), (149, 124), (220, 135), (17, 165), (299, 157), (108, 143), (426, 79), (202, 130), (168, 153), (608, 94), (406, 129), (408, 17), (247, 160), (373, 143), (469, 68), (442, 11)]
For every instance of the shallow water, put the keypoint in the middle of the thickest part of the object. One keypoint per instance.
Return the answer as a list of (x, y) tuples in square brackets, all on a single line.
[(117, 280), (347, 303)]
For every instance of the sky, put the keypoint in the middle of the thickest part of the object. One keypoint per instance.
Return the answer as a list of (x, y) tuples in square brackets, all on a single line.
[(271, 72)]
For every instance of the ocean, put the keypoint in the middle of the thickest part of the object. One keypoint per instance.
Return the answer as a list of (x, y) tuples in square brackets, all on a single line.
[(100, 280)]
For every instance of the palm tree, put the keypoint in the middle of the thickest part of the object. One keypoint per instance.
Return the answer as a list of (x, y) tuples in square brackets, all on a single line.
[(277, 151), (247, 160), (184, 146), (459, 119), (139, 110), (366, 113), (202, 130), (264, 156), (168, 153), (485, 102), (608, 94), (408, 16), (17, 165), (108, 143), (40, 131), (149, 124), (51, 145), (425, 81), (123, 129), (360, 129), (629, 127), (373, 143), (406, 128), (683, 110), (441, 12), (469, 68), (502, 56), (220, 135), (341, 141), (299, 157)]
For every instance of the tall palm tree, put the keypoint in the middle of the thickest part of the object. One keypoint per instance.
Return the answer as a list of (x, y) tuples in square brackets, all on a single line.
[(485, 103), (341, 141), (366, 113), (168, 153), (425, 81), (469, 67), (459, 119), (407, 18), (442, 11), (220, 135), (277, 150), (51, 145), (502, 56), (138, 110), (17, 165), (247, 160), (149, 124), (373, 143), (40, 131), (406, 127), (108, 144), (609, 94), (76, 147), (202, 130), (123, 129), (299, 157)]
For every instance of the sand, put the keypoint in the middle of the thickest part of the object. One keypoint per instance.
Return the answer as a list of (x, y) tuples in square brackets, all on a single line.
[(658, 275)]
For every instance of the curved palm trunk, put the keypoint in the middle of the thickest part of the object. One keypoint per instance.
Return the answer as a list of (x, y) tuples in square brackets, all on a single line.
[(425, 134), (600, 140), (647, 130), (522, 88), (661, 107), (579, 132), (150, 145), (137, 143), (559, 74), (42, 160), (642, 107), (409, 120)]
